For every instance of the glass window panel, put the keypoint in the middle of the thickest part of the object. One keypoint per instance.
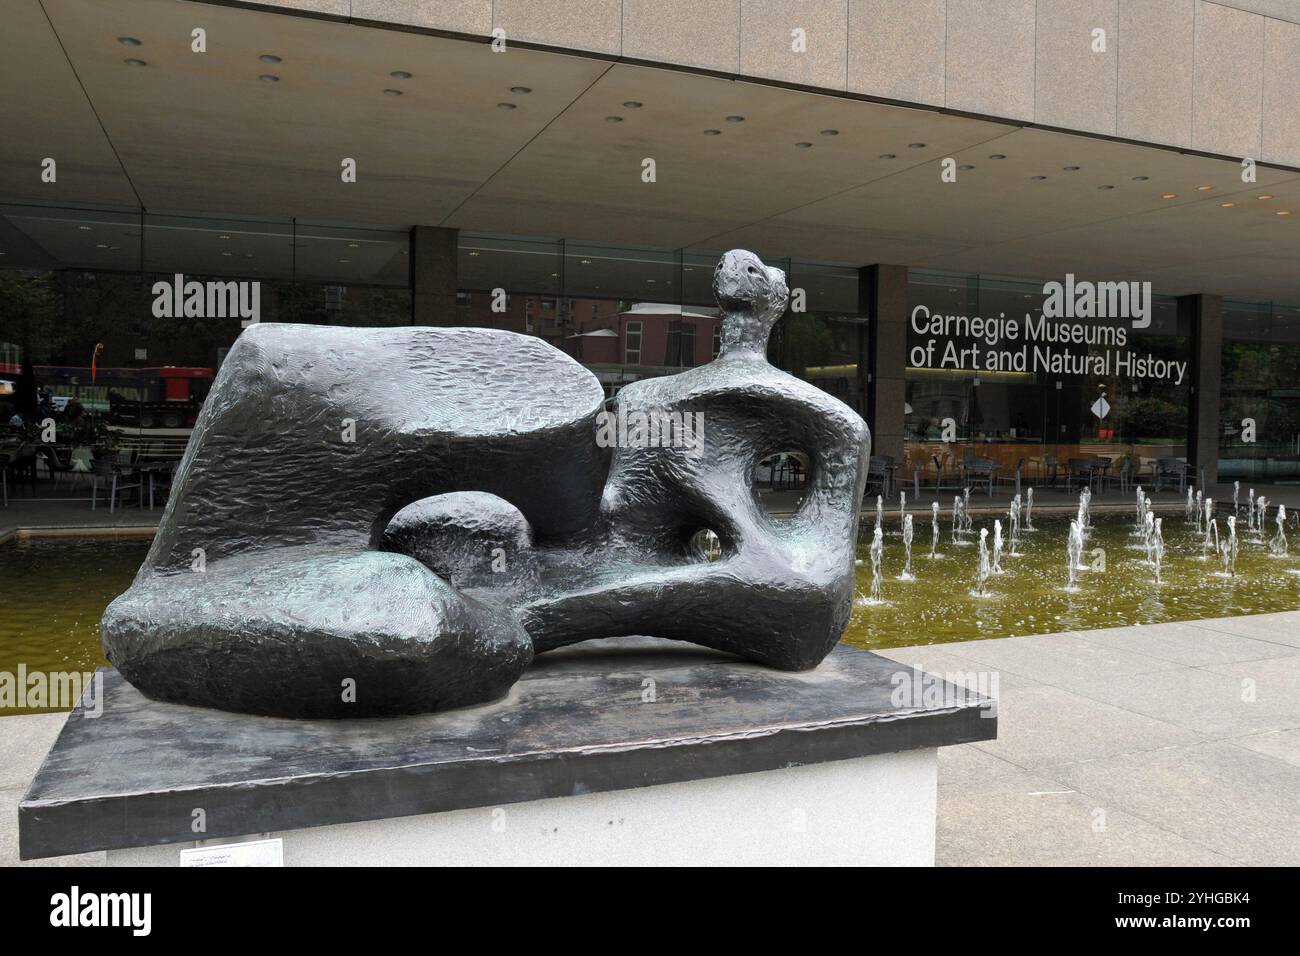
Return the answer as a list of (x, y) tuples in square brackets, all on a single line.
[(1026, 410), (1259, 422), (622, 272), (512, 263)]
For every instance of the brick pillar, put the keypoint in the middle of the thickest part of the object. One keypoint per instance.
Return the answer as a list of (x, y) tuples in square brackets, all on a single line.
[(883, 296), (1206, 315), (433, 276)]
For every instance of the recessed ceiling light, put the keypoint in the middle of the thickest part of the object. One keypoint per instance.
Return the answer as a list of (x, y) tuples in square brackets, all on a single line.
[(1169, 195), (1040, 178), (650, 281), (1204, 188), (270, 58), (998, 156), (521, 90), (84, 228), (1284, 212), (505, 106), (1226, 205), (134, 62), (632, 104), (916, 145), (735, 119), (585, 262), (1265, 196), (613, 119), (965, 166), (392, 92), (888, 156), (1071, 169), (555, 275), (101, 245), (1140, 179), (803, 145), (345, 260), (269, 78), (713, 132), (354, 245), (400, 75), (227, 253), (223, 237), (1105, 187), (474, 253), (128, 41), (830, 132)]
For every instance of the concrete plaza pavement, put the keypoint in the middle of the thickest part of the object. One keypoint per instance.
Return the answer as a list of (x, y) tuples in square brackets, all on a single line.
[(1151, 745)]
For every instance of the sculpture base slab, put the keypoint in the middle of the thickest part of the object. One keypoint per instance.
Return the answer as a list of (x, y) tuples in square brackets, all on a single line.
[(865, 811), (624, 751)]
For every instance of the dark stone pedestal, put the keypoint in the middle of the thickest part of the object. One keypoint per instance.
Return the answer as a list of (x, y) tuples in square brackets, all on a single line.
[(601, 717)]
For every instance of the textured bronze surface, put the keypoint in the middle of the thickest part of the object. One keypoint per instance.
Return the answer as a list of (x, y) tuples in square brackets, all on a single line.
[(393, 521)]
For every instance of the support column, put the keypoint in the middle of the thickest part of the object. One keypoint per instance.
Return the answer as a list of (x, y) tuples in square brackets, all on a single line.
[(434, 276), (883, 295), (1206, 315)]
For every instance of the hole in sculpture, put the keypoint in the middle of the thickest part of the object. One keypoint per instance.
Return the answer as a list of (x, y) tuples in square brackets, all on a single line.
[(780, 480), (705, 545)]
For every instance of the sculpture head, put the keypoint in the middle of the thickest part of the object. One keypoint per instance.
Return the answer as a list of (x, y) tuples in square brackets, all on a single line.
[(752, 297)]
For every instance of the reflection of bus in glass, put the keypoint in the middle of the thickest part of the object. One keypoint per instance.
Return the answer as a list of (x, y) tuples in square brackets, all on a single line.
[(164, 397)]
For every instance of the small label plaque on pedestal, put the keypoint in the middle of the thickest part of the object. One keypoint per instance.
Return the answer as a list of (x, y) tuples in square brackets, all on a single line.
[(256, 853)]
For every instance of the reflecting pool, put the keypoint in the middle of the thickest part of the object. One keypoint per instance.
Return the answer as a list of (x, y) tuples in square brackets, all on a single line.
[(1115, 584), (54, 590)]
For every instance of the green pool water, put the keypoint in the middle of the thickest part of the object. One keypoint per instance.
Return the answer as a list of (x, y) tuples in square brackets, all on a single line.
[(54, 590), (52, 594), (1030, 596)]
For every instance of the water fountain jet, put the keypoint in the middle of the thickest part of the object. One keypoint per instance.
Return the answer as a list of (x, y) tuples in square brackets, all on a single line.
[(1277, 547), (1014, 520), (907, 550), (877, 547), (982, 569), (1229, 549), (1074, 555), (934, 530)]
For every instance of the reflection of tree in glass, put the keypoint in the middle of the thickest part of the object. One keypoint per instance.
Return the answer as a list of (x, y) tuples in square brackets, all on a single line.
[(806, 341), (1260, 382), (1149, 419), (29, 313)]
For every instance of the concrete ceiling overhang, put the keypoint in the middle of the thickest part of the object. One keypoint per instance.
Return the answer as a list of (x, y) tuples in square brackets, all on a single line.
[(202, 132)]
